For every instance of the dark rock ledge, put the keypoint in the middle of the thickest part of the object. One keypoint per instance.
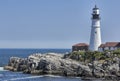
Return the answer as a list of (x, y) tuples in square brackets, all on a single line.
[(58, 64)]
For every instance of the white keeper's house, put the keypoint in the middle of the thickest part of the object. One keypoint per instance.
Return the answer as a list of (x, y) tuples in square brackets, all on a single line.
[(109, 46)]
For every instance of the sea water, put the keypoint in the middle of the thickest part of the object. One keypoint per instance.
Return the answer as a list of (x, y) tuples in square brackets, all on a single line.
[(5, 54)]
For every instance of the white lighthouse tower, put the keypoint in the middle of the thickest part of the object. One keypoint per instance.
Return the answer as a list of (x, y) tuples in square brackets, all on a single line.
[(95, 38)]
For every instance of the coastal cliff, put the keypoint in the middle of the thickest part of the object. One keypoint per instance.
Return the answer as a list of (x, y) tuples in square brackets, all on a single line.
[(64, 65)]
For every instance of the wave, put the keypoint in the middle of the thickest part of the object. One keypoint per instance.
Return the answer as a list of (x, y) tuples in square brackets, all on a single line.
[(52, 76), (22, 78), (31, 77), (1, 69)]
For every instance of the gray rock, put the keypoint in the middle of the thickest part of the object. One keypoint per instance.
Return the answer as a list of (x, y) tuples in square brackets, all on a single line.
[(50, 63), (59, 64)]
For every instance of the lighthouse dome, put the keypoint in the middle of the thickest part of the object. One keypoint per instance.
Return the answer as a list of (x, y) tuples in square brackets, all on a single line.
[(96, 10)]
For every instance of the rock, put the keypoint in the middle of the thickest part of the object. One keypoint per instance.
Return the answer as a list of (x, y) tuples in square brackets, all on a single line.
[(59, 64), (50, 63), (9, 68), (108, 54), (116, 60)]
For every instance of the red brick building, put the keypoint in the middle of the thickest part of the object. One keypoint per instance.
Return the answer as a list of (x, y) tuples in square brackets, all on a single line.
[(80, 47)]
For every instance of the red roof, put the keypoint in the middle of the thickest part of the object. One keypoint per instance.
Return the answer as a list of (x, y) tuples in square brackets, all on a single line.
[(102, 45), (81, 44), (110, 44)]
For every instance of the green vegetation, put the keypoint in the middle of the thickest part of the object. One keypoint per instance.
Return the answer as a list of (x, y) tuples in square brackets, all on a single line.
[(117, 52), (89, 56)]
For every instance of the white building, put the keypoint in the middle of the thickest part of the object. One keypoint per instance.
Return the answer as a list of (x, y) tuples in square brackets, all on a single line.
[(95, 38), (109, 46)]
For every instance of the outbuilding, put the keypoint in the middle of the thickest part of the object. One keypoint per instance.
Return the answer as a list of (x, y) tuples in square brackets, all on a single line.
[(80, 47), (109, 46)]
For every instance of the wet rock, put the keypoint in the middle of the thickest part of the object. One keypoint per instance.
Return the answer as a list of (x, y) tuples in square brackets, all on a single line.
[(59, 64)]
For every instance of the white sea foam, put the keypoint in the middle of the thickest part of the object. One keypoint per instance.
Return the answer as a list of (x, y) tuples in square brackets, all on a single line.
[(30, 77), (58, 76), (52, 76), (1, 69), (22, 78)]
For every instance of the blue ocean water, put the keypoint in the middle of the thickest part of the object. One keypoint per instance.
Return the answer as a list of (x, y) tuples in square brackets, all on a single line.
[(5, 54)]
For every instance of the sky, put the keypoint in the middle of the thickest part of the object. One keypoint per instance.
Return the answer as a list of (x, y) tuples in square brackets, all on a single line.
[(55, 23)]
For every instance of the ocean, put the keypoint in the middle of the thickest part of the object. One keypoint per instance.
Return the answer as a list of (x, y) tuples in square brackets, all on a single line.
[(5, 54)]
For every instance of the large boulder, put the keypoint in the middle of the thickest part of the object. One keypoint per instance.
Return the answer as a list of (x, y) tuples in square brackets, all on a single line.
[(50, 63)]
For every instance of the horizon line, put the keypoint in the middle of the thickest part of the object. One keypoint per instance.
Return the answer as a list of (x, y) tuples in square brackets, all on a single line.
[(35, 48)]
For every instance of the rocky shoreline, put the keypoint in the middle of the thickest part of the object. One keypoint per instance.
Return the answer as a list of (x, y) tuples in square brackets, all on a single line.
[(61, 64)]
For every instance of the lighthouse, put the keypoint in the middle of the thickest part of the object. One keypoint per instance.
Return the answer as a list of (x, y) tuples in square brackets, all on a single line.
[(95, 37)]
